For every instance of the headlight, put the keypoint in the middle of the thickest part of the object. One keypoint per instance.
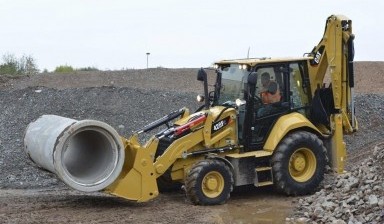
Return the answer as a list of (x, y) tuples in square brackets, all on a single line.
[(215, 66), (244, 67), (200, 98)]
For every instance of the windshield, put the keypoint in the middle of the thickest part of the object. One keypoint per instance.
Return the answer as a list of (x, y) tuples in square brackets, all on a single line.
[(232, 82)]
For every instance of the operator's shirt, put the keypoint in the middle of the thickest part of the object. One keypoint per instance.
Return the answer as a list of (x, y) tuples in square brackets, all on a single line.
[(267, 97)]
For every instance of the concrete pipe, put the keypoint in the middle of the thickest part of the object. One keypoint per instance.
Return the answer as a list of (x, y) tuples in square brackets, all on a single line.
[(87, 155)]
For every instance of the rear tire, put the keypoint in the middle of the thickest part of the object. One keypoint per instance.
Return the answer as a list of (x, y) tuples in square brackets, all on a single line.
[(298, 163), (209, 182)]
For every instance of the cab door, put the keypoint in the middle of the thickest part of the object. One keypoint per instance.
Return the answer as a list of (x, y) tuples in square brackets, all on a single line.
[(261, 115)]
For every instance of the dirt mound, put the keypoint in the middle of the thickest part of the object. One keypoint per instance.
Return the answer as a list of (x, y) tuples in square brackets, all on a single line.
[(369, 78), (182, 80)]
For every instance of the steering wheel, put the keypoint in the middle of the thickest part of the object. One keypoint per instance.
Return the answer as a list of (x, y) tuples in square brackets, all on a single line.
[(257, 98), (229, 103)]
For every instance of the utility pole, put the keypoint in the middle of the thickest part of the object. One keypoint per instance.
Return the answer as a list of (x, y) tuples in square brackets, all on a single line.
[(147, 58)]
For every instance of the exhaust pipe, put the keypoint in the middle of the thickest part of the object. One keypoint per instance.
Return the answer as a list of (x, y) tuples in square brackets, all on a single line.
[(87, 155)]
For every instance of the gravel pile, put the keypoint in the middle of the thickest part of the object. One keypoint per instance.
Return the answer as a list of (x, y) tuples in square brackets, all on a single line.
[(354, 197), (125, 109), (370, 116)]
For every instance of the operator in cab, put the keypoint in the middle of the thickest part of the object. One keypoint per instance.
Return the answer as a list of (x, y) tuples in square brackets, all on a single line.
[(270, 92)]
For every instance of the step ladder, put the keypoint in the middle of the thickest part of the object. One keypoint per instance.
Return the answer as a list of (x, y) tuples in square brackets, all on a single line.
[(263, 176)]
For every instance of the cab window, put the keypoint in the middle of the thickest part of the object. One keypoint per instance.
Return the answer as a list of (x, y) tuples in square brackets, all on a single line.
[(298, 88), (270, 90)]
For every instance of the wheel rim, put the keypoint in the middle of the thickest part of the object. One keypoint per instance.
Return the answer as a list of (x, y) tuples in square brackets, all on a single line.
[(213, 184), (302, 165)]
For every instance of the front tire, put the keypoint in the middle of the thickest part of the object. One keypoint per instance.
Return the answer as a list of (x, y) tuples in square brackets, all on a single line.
[(298, 163), (209, 182)]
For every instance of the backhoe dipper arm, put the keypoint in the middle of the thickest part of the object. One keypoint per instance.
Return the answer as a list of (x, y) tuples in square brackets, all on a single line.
[(333, 57)]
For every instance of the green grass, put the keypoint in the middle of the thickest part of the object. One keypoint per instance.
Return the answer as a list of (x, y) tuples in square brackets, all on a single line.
[(88, 69), (64, 69), (11, 65), (70, 69)]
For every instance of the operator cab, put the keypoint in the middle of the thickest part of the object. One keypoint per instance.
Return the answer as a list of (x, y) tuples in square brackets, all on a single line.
[(267, 90)]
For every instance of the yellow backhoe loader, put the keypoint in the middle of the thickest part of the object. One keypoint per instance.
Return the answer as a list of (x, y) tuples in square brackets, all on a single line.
[(265, 121)]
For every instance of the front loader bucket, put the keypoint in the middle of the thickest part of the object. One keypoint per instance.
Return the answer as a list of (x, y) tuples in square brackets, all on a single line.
[(87, 155)]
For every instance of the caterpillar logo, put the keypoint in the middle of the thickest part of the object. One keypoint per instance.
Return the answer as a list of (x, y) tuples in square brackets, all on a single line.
[(318, 56), (220, 124)]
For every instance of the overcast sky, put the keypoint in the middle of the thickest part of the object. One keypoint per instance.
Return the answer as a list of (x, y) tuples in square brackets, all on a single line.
[(115, 34)]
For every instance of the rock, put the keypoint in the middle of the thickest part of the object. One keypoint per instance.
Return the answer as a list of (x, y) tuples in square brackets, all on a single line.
[(360, 219), (328, 205), (338, 221), (354, 182), (372, 200), (318, 212), (302, 220), (376, 151), (11, 177), (347, 188), (338, 215), (121, 126), (309, 200), (368, 181), (339, 183), (380, 203), (360, 194), (351, 199)]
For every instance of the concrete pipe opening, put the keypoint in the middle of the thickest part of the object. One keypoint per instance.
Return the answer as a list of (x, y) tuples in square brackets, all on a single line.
[(87, 155)]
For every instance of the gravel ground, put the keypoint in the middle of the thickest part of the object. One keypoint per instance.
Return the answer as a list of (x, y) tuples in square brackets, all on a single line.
[(127, 101)]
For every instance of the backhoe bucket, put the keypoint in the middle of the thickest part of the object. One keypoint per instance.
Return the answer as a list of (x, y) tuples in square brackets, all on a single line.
[(87, 155)]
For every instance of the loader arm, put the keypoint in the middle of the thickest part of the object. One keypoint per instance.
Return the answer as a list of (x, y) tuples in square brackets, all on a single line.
[(333, 63), (137, 181)]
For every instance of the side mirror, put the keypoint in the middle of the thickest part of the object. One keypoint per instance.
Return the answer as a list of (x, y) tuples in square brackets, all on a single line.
[(252, 78), (201, 74)]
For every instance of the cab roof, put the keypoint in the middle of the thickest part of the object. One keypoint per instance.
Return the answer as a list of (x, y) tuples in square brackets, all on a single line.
[(254, 61)]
